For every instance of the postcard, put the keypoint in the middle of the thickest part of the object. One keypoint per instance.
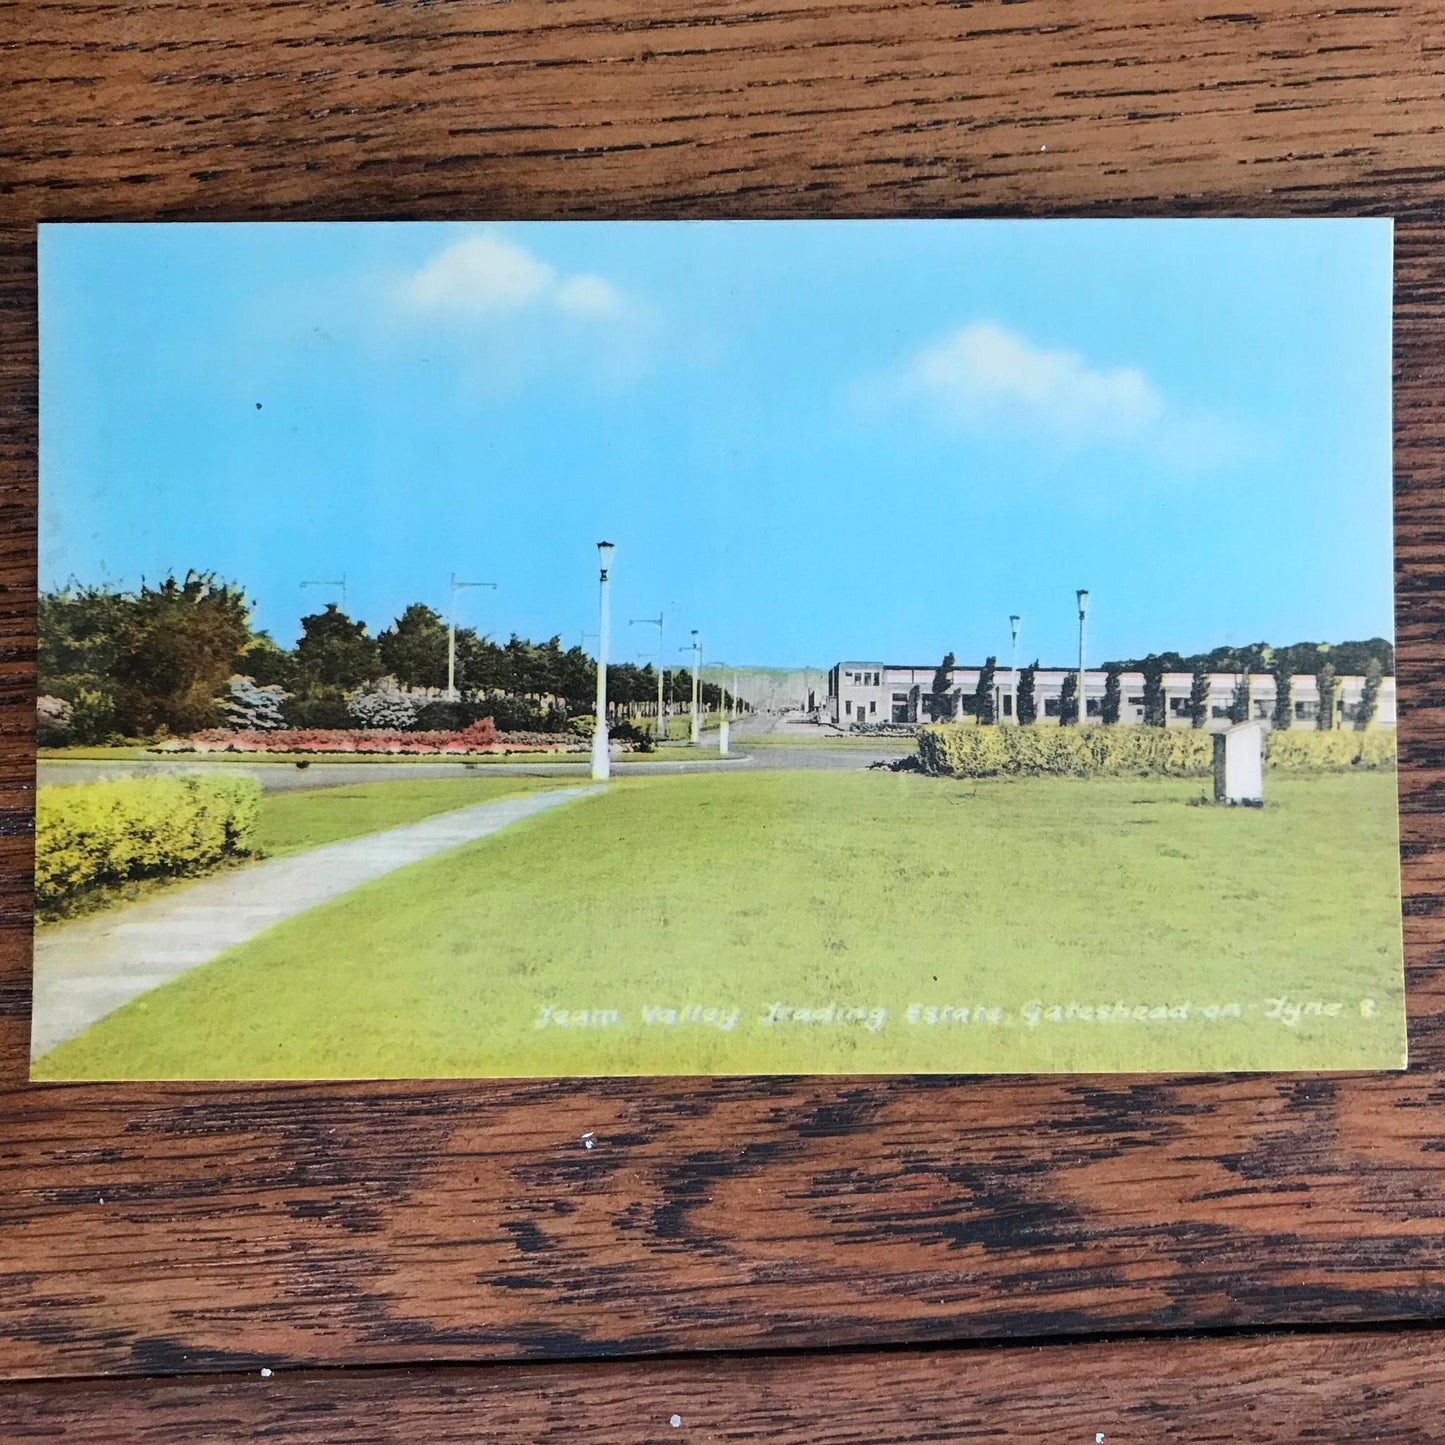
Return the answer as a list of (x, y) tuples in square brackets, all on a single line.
[(576, 649)]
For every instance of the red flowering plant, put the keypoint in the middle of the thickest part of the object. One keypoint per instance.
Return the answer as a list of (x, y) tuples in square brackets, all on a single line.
[(481, 737)]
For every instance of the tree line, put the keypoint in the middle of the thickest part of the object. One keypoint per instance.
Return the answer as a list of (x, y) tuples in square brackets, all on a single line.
[(159, 660), (1375, 659)]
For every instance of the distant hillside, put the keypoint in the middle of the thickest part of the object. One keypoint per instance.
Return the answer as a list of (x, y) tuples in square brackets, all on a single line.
[(772, 689)]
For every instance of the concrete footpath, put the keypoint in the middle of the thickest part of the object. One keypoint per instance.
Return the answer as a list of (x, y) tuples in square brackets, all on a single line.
[(88, 969)]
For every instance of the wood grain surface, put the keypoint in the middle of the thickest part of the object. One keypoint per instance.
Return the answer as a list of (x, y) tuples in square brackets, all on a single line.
[(1388, 1389), (167, 1230)]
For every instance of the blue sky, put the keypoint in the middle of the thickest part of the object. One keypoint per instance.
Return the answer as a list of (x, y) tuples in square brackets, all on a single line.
[(808, 440)]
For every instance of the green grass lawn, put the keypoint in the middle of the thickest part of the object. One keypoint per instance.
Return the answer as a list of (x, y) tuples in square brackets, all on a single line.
[(993, 900), (307, 818), (296, 821)]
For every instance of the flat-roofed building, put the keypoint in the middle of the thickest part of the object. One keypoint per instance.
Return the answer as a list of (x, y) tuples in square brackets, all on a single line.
[(870, 693)]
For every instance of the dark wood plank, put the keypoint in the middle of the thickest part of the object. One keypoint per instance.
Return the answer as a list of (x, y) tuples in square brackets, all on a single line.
[(1379, 1387), (180, 1229)]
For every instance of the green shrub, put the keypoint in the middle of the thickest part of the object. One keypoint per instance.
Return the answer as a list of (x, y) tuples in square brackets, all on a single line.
[(97, 833), (1066, 752), (1296, 751), (984, 752)]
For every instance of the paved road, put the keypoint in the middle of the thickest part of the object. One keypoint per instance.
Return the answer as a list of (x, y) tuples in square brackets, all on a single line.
[(285, 777), (88, 969)]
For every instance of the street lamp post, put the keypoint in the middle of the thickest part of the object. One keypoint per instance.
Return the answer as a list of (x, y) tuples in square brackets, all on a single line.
[(601, 759), (696, 649), (452, 633), (1013, 662), (661, 715), (1083, 597)]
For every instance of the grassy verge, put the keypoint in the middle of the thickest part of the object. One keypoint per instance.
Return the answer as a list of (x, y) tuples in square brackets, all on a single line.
[(1166, 936), (296, 821)]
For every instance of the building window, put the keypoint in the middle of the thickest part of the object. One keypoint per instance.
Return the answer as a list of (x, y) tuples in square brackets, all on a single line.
[(1051, 707), (1094, 706), (848, 709), (1139, 701), (900, 697), (1008, 704), (1179, 706), (872, 707), (1306, 711)]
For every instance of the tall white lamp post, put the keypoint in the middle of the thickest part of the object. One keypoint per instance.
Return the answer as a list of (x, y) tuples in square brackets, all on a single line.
[(661, 711), (696, 650), (452, 633), (1013, 662), (1083, 597), (601, 759)]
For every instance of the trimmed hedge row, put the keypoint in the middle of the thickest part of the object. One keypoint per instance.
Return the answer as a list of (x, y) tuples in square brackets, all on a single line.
[(1312, 751), (90, 833), (960, 751)]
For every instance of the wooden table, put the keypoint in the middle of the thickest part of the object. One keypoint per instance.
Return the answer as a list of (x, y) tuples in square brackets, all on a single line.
[(1133, 1259)]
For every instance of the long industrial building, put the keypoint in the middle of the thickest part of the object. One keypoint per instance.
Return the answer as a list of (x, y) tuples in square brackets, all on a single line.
[(864, 694)]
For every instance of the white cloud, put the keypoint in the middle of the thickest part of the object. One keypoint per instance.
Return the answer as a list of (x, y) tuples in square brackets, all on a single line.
[(983, 372), (485, 275), (588, 296)]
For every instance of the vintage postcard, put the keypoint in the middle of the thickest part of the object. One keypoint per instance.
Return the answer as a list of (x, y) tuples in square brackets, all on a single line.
[(547, 649)]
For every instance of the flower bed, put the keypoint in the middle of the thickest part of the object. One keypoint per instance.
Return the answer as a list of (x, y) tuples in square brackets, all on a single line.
[(480, 737)]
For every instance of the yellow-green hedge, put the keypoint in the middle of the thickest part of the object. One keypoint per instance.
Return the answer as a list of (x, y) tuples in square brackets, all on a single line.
[(1052, 751), (1311, 751), (90, 833)]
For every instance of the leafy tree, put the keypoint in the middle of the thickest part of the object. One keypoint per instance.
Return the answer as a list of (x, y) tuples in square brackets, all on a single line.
[(79, 632), (1349, 658), (1199, 697), (414, 648), (1111, 693), (179, 645), (1325, 682), (1369, 698), (1283, 715), (1026, 705), (983, 701), (1069, 700), (1239, 703), (335, 653), (1156, 706), (939, 704), (268, 665)]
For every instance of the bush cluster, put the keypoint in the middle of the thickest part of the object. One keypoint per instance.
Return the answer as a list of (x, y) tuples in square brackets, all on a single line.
[(94, 833), (1312, 752), (985, 752), (54, 722)]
